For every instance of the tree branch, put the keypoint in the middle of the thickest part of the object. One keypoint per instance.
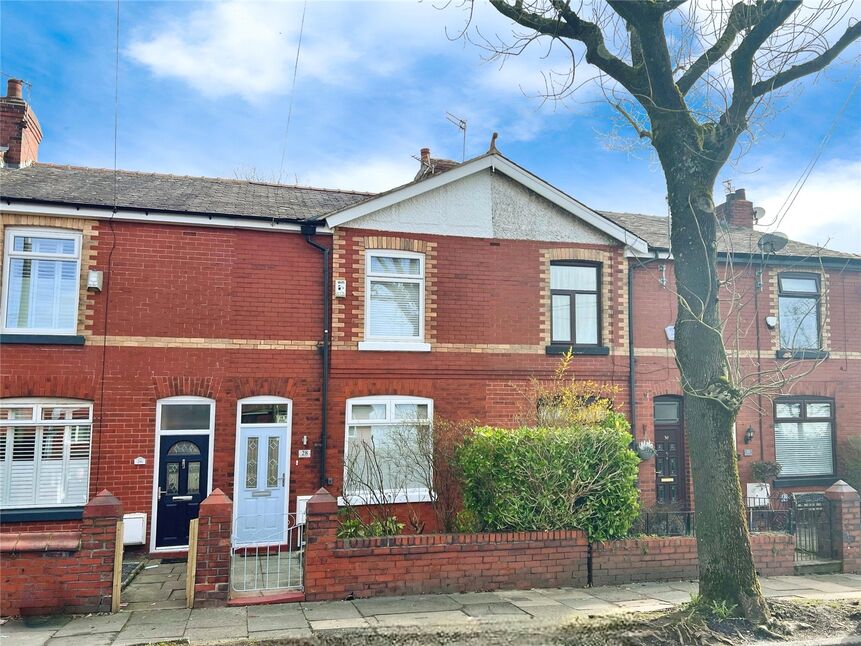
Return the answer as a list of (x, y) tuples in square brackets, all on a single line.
[(575, 28), (643, 134), (798, 71), (740, 17)]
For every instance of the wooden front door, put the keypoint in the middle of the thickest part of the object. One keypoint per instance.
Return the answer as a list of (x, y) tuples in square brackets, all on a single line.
[(670, 481)]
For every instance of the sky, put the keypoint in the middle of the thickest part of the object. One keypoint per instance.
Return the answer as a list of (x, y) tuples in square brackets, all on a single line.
[(207, 89)]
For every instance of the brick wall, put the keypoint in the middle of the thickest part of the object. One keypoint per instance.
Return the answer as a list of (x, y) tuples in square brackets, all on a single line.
[(212, 580), (434, 563), (675, 558), (61, 571)]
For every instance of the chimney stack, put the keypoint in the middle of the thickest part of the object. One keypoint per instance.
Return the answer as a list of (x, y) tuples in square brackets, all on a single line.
[(737, 210), (20, 133)]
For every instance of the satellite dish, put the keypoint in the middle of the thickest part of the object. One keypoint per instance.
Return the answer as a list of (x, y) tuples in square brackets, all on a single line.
[(758, 213), (772, 242)]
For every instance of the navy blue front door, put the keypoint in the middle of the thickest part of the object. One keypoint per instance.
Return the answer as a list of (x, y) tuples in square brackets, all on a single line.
[(182, 485)]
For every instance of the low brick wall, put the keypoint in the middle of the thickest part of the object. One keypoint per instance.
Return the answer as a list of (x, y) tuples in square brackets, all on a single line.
[(434, 563), (61, 571), (673, 558), (212, 576)]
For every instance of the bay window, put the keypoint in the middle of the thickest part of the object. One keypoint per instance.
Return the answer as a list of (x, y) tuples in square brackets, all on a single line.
[(388, 450), (41, 270), (804, 436), (44, 452)]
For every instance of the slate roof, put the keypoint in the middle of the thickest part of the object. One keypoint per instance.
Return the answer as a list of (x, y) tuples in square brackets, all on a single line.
[(159, 192), (734, 239)]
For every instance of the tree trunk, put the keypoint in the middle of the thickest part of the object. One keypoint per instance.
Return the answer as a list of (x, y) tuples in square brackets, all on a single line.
[(727, 572)]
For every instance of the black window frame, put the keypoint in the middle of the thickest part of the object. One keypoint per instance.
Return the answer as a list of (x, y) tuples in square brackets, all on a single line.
[(803, 400), (792, 294), (598, 267)]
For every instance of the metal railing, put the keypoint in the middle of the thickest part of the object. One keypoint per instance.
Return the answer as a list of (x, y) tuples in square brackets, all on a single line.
[(763, 515), (274, 561), (813, 530)]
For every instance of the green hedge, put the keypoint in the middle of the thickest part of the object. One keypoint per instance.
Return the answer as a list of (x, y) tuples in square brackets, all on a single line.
[(537, 479)]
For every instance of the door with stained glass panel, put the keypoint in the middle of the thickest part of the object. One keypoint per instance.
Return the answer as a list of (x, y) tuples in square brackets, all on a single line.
[(262, 474), (182, 486)]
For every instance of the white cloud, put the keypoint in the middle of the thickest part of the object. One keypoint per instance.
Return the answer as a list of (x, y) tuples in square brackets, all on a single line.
[(373, 175), (827, 210)]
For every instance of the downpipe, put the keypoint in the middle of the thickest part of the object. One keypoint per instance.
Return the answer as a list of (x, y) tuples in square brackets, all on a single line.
[(308, 231)]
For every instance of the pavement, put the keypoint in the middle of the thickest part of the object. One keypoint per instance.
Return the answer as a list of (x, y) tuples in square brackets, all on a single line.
[(165, 619)]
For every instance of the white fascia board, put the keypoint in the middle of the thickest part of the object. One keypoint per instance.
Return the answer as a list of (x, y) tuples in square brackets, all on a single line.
[(496, 163), (130, 215)]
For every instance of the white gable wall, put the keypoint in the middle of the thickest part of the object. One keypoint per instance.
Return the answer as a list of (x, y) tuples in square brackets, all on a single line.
[(482, 205)]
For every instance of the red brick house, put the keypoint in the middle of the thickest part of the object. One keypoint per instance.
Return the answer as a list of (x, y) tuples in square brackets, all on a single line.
[(163, 335)]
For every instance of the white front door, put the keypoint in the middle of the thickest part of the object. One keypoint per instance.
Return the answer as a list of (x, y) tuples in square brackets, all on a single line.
[(262, 481)]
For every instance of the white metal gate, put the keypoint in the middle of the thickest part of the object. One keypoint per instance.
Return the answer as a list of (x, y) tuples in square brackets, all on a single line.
[(274, 563)]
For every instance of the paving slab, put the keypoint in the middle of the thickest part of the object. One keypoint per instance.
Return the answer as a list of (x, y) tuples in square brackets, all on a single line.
[(492, 609), (475, 597), (44, 622), (288, 633), (217, 634), (93, 625), (339, 624), (615, 594), (172, 616), (556, 611), (143, 633), (217, 617), (644, 605), (168, 604), (533, 601), (818, 583), (324, 610), (276, 621), (102, 639), (400, 605), (25, 638), (588, 605), (443, 618), (145, 592)]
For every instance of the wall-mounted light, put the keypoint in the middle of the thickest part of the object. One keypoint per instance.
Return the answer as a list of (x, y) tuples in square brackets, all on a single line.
[(771, 322), (663, 278), (748, 435)]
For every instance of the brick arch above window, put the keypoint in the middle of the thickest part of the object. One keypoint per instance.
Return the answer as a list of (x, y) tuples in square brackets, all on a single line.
[(208, 387), (64, 386)]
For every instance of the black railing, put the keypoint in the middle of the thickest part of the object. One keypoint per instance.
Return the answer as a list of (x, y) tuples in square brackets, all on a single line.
[(775, 516), (812, 528)]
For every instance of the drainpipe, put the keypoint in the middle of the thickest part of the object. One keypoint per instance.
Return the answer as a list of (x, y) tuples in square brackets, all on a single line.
[(308, 230)]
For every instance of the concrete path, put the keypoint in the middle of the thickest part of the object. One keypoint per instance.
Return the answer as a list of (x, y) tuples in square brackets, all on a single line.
[(200, 626)]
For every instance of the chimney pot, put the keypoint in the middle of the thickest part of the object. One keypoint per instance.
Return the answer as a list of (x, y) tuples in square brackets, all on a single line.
[(425, 155), (14, 89)]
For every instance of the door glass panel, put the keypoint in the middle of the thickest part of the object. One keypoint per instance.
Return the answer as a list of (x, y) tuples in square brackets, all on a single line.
[(184, 448), (272, 465), (185, 417), (666, 412), (251, 463), (172, 485), (264, 413), (193, 478)]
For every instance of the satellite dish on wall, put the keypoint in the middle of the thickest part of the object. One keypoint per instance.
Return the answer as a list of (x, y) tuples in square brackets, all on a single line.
[(758, 213), (772, 242)]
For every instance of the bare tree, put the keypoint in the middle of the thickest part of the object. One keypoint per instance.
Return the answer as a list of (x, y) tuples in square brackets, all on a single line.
[(690, 78)]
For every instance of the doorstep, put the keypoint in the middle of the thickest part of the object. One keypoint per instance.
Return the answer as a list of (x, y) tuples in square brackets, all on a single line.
[(267, 597)]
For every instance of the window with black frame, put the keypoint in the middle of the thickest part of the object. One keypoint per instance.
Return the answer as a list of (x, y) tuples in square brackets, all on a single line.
[(804, 436), (575, 303), (798, 309)]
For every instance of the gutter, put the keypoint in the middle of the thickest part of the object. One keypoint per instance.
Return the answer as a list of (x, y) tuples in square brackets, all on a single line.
[(308, 231)]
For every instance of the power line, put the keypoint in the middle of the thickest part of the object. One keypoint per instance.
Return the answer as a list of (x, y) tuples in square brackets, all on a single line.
[(805, 174), (292, 92)]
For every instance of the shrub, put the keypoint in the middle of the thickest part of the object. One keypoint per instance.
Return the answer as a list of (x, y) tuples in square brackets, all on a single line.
[(765, 471), (530, 479)]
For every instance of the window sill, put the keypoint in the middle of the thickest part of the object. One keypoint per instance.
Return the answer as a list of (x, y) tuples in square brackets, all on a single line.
[(801, 354), (45, 513), (805, 481), (362, 500), (597, 350), (41, 339), (395, 346)]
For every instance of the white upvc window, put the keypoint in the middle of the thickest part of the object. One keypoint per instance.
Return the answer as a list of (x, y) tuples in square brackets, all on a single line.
[(41, 274), (394, 301), (44, 452), (388, 450)]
